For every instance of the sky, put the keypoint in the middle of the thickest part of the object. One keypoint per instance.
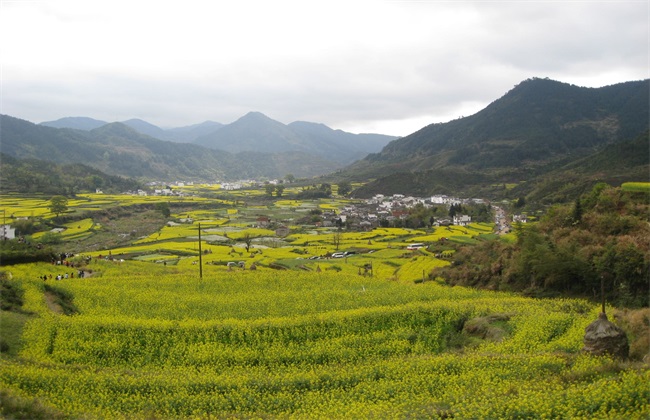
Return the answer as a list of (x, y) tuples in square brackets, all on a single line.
[(389, 67)]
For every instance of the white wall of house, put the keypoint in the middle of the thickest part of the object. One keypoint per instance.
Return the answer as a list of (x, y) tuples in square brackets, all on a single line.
[(7, 232)]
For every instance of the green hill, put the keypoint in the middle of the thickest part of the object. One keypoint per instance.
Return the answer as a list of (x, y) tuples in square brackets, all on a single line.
[(255, 131), (615, 164), (118, 149), (32, 175), (538, 127)]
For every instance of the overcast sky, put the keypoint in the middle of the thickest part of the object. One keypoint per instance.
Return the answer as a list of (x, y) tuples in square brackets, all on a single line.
[(388, 67)]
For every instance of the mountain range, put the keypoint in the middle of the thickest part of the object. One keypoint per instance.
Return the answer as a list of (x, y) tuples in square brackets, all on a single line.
[(254, 146), (118, 149), (544, 139), (255, 132), (185, 134), (536, 130)]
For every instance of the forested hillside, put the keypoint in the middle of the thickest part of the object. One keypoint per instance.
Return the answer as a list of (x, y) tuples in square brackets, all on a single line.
[(615, 164), (257, 132), (601, 236), (118, 149), (537, 120), (537, 129), (38, 176)]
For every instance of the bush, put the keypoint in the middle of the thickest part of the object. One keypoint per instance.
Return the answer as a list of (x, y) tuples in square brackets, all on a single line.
[(14, 252), (52, 238)]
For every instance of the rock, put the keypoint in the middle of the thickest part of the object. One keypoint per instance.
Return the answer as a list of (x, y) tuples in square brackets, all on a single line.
[(603, 337)]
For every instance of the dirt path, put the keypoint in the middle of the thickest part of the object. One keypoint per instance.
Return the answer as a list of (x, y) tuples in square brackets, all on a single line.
[(52, 304)]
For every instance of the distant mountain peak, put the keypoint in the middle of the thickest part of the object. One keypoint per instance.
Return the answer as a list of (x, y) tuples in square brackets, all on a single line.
[(78, 123), (255, 116), (116, 128), (137, 121)]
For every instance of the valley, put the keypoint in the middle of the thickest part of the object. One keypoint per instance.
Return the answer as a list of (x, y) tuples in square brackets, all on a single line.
[(450, 274), (191, 306)]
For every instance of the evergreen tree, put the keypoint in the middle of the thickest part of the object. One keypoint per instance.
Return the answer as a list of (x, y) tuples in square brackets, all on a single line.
[(576, 215)]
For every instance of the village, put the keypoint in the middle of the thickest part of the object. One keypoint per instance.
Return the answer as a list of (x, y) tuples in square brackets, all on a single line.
[(397, 211), (358, 215)]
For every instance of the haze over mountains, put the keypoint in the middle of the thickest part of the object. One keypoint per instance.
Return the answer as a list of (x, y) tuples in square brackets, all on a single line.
[(544, 136), (117, 149), (255, 132), (180, 134)]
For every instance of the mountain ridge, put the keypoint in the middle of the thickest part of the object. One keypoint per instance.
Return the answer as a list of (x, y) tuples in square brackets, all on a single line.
[(118, 149), (256, 132), (529, 137), (538, 126)]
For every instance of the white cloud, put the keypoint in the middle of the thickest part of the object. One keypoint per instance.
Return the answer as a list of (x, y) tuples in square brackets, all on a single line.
[(384, 66)]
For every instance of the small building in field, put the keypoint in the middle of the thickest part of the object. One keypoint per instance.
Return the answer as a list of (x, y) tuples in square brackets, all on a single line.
[(282, 231), (7, 232)]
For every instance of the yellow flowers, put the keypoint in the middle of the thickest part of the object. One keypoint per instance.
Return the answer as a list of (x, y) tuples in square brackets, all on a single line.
[(643, 187), (325, 340), (282, 344)]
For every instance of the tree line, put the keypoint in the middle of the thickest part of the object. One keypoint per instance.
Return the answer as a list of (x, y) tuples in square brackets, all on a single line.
[(31, 176), (601, 237)]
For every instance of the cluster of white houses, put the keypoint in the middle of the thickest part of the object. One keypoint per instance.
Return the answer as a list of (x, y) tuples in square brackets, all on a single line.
[(159, 188), (372, 212), (396, 206)]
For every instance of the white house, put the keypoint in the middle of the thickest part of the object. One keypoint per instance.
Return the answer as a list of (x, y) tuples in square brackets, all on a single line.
[(443, 199), (462, 220), (231, 186), (7, 232), (519, 218)]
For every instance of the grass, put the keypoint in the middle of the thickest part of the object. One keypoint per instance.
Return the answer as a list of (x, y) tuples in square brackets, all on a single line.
[(13, 406), (11, 328)]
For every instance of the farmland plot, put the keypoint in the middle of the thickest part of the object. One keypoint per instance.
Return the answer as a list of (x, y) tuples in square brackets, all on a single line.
[(157, 341)]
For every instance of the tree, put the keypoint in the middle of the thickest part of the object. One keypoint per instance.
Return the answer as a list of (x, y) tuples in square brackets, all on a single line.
[(290, 178), (95, 181), (247, 239), (269, 188), (279, 190), (453, 210), (344, 188), (576, 215), (163, 208), (58, 204), (337, 237), (326, 189), (25, 227)]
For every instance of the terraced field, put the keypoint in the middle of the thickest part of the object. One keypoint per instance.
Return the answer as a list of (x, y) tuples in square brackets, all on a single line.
[(292, 332)]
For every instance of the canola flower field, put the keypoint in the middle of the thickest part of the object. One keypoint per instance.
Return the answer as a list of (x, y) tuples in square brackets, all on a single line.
[(368, 336), (158, 341)]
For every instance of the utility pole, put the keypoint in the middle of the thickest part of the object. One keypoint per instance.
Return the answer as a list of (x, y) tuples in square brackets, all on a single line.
[(200, 255), (602, 292)]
